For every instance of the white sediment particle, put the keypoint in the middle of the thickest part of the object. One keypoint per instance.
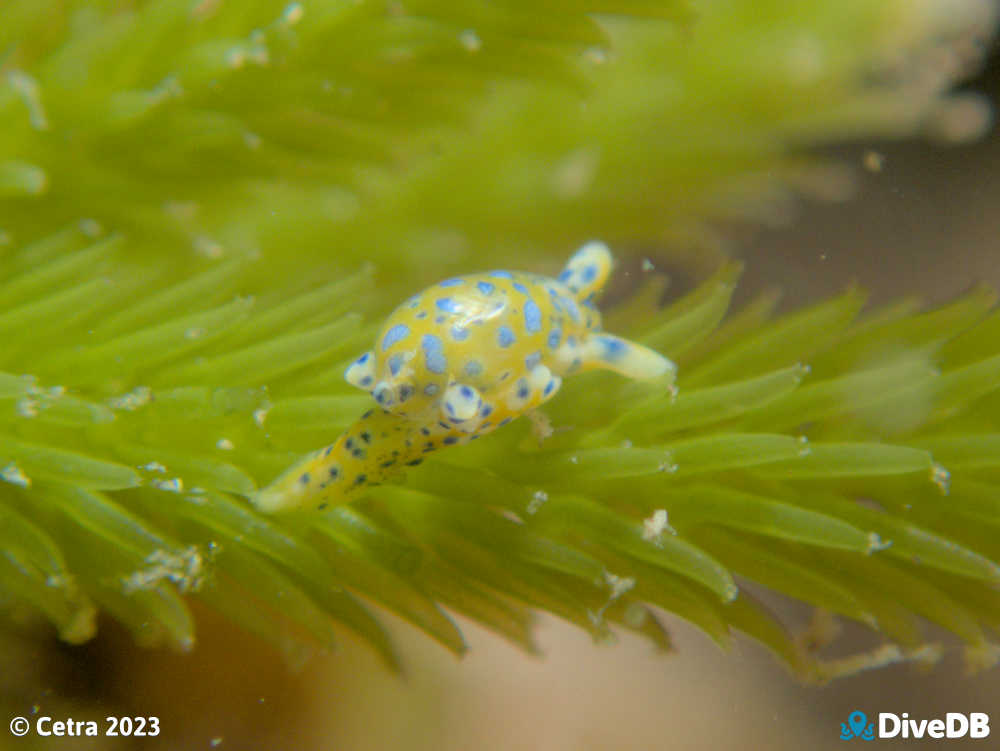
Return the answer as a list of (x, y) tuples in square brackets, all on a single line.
[(654, 527), (260, 415), (880, 657), (292, 14), (804, 448), (153, 466), (876, 543), (942, 478), (15, 476), (195, 332), (169, 88), (647, 265), (511, 515), (619, 585), (257, 51), (224, 444), (470, 40), (27, 407), (260, 55), (541, 425), (538, 499), (185, 568), (236, 58), (138, 397), (208, 247), (174, 485)]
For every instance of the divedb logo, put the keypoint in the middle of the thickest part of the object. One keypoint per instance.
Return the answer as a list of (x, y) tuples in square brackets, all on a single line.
[(952, 725)]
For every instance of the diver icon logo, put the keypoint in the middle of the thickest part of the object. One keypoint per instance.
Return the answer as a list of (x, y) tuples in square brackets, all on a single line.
[(857, 726)]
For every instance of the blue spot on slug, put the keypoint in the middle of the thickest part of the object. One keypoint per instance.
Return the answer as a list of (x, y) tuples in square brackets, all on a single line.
[(485, 287), (505, 336), (433, 353), (614, 349), (396, 334), (532, 317)]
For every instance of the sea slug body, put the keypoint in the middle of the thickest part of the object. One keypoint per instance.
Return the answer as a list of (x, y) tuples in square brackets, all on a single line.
[(460, 359)]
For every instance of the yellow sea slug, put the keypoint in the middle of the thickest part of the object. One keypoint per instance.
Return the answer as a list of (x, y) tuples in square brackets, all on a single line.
[(459, 360)]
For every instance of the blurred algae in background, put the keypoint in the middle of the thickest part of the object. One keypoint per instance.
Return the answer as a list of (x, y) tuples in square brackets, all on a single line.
[(207, 209)]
